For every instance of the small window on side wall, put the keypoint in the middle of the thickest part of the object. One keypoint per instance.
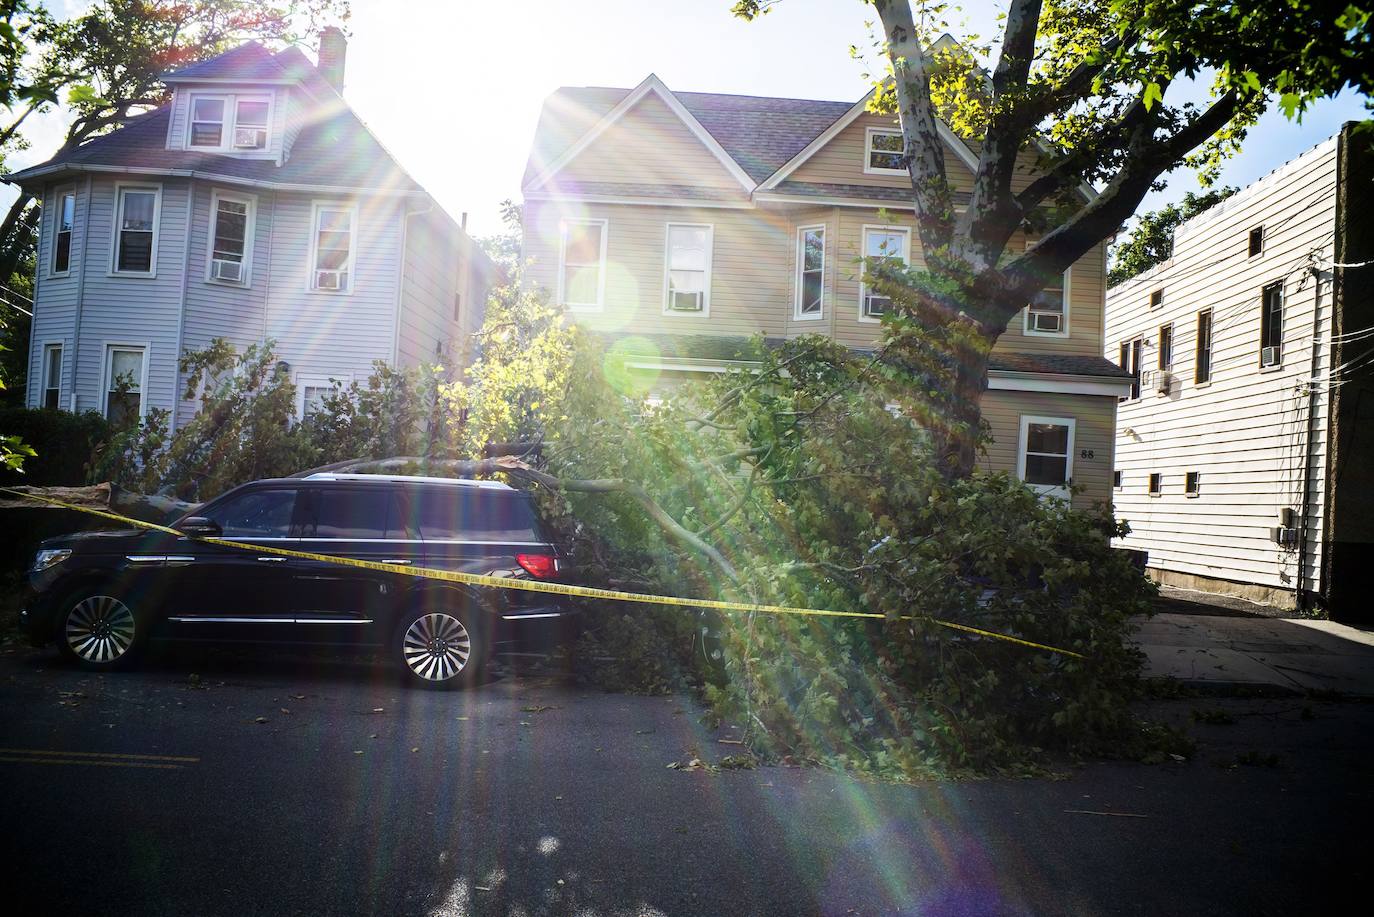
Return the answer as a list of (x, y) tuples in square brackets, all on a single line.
[(52, 376), (1193, 484), (1156, 299), (62, 238), (1156, 483), (883, 151), (1116, 479), (1256, 241)]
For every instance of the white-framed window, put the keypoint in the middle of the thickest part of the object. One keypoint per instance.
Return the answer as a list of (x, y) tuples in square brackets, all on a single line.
[(310, 394), (687, 268), (126, 378), (889, 243), (62, 233), (1271, 325), (810, 300), (137, 212), (52, 376), (1166, 347), (333, 245), (1045, 457), (230, 256), (228, 122), (883, 149), (1047, 315), (582, 265)]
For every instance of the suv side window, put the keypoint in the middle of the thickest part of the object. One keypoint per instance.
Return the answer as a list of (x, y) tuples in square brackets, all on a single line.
[(365, 514), (256, 514), (469, 514)]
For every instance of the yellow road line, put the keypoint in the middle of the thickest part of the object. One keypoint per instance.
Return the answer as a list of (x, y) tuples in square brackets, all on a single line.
[(499, 582), (95, 754), (87, 762)]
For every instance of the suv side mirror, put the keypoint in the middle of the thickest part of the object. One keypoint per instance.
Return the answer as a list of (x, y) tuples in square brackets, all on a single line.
[(200, 527)]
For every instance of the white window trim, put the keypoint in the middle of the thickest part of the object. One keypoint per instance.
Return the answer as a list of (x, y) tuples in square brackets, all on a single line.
[(119, 189), (1283, 320), (250, 224), (797, 312), (1045, 489), (56, 231), (1026, 328), (863, 250), (48, 347), (231, 117), (303, 381), (107, 366), (706, 282), (869, 169), (1159, 347), (601, 266), (315, 207)]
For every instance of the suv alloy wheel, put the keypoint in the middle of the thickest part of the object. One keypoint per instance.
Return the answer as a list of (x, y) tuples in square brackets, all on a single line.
[(99, 631), (440, 646)]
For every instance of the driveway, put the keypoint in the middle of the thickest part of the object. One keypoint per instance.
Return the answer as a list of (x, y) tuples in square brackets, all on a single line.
[(311, 786)]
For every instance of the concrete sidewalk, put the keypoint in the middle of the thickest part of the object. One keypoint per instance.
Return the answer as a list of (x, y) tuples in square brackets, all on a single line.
[(1287, 654)]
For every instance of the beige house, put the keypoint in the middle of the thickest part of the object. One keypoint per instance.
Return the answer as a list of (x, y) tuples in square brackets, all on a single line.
[(696, 220)]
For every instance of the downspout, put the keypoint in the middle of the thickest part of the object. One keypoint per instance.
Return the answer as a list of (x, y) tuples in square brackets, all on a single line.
[(401, 280), (181, 314), (1304, 596), (81, 294)]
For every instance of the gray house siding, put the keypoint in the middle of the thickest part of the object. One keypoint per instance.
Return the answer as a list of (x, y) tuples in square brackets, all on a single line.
[(56, 322), (433, 267), (326, 334)]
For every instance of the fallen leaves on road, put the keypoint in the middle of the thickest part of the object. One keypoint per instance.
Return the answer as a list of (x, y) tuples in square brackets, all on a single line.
[(535, 708)]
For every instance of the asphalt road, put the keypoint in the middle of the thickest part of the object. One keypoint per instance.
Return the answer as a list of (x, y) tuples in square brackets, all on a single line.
[(311, 786)]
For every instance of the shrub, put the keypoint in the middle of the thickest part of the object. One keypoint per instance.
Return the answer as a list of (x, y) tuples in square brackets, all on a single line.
[(65, 443)]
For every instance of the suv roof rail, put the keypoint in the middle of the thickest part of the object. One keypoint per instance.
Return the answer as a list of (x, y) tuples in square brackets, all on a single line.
[(406, 479)]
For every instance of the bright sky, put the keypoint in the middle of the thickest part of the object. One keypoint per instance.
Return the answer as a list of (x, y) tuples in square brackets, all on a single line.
[(454, 88)]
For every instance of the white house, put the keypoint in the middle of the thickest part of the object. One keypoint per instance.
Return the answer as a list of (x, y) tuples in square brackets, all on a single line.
[(253, 206), (1245, 452)]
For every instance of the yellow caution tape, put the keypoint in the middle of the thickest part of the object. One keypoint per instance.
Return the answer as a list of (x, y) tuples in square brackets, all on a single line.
[(501, 582)]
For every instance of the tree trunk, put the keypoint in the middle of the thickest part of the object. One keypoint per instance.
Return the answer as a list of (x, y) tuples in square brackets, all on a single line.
[(145, 507), (21, 219)]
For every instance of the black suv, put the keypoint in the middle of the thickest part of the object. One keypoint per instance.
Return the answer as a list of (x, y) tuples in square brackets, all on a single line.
[(101, 596)]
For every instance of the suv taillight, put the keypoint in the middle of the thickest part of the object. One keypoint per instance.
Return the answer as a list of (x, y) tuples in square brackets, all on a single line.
[(539, 566)]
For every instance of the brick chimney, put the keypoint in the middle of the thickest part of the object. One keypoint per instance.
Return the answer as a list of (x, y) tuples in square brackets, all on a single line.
[(333, 51)]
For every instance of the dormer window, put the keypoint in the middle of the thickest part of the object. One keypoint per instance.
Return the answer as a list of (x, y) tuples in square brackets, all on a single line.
[(227, 123)]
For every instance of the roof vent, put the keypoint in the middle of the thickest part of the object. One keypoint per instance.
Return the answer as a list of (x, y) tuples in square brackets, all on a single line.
[(333, 51)]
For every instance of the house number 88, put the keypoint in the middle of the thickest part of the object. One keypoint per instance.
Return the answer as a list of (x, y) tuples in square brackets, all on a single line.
[(1085, 453)]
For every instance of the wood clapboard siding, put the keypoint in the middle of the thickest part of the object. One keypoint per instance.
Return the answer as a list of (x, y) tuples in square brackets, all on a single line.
[(1094, 432), (1245, 432), (55, 321), (649, 145), (434, 270), (841, 161)]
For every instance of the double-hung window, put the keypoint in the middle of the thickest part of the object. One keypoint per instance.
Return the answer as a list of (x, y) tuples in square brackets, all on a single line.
[(229, 122), (1203, 369), (810, 271), (1271, 325), (1130, 361), (52, 376), (62, 235), (1166, 347), (136, 220), (1045, 461), (687, 269), (124, 372), (883, 151), (582, 265), (231, 238), (1048, 312), (332, 248), (882, 244)]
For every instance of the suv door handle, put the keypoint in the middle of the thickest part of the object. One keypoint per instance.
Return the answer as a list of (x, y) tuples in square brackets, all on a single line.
[(270, 559)]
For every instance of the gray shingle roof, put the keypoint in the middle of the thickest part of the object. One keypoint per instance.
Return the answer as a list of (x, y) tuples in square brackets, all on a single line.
[(1062, 364), (758, 132), (334, 150), (248, 62)]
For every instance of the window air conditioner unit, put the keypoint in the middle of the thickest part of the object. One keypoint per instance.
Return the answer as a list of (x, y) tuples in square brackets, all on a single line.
[(250, 138), (231, 271), (328, 280), (679, 301), (1269, 356), (1164, 383)]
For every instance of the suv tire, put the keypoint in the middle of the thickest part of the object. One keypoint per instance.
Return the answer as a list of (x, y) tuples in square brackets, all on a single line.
[(100, 631), (440, 644)]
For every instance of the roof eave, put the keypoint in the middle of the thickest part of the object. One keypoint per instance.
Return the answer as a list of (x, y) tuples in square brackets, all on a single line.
[(19, 178)]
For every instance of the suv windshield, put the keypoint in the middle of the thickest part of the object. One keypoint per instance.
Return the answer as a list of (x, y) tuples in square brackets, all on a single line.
[(472, 514)]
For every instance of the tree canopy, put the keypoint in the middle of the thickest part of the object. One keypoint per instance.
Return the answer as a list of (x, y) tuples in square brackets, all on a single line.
[(1099, 93), (1151, 241)]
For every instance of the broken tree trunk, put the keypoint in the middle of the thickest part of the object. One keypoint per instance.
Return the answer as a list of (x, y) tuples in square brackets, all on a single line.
[(145, 507)]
